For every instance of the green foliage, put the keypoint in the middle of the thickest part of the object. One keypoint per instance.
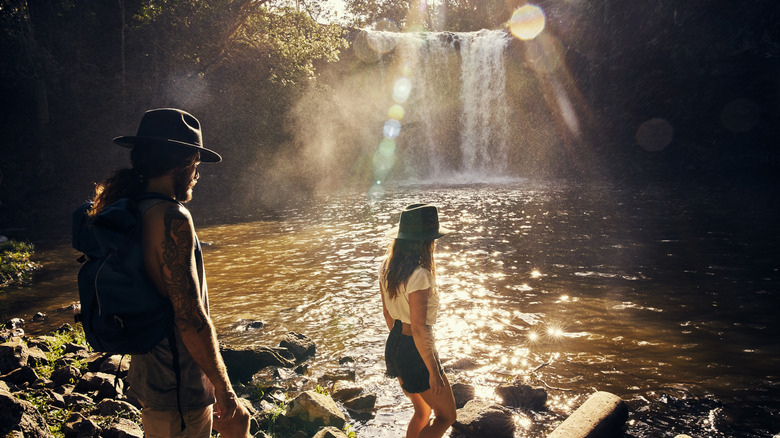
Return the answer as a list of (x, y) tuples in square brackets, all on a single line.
[(320, 390), (349, 431), (56, 344), (15, 263), (54, 417)]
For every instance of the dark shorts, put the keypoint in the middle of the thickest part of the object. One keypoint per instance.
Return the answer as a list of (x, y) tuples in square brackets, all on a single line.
[(404, 361)]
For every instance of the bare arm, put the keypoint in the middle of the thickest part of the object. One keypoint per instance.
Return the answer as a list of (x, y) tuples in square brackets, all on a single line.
[(423, 336), (178, 271), (388, 319)]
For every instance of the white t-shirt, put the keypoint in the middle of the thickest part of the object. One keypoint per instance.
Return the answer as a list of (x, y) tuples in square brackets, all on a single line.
[(420, 279)]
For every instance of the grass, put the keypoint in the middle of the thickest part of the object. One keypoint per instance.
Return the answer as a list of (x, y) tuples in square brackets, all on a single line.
[(15, 263)]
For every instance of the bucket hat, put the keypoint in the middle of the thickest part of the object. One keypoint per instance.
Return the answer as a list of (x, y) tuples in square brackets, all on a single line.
[(170, 127), (419, 222)]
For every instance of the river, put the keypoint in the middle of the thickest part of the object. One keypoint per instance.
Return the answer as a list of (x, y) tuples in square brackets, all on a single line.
[(667, 298)]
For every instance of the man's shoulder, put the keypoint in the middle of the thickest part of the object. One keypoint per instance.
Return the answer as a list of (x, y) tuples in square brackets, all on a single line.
[(164, 212)]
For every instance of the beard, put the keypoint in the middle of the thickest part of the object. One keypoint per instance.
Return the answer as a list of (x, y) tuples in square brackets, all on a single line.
[(182, 187)]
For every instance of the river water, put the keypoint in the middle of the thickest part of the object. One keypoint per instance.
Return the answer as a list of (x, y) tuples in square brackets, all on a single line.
[(666, 298)]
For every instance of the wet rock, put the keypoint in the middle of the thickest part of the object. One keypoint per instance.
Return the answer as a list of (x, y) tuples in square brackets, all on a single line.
[(110, 407), (21, 416), (340, 374), (248, 324), (463, 394), (40, 316), (64, 375), (122, 428), (20, 376), (464, 364), (484, 419), (299, 345), (602, 415), (243, 364), (522, 396), (330, 432), (79, 426), (361, 405), (344, 390), (64, 328), (13, 355), (15, 323), (7, 335), (315, 408), (346, 360)]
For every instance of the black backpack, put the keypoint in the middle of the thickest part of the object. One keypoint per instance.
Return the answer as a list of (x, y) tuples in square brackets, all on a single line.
[(121, 310)]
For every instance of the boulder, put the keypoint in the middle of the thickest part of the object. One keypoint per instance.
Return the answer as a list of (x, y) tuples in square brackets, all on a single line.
[(340, 374), (602, 415), (79, 426), (299, 345), (116, 364), (122, 428), (21, 416), (78, 401), (344, 390), (109, 408), (330, 432), (20, 376), (243, 364), (364, 403), (64, 375), (105, 385), (316, 408), (13, 355), (518, 395), (463, 394), (484, 419), (36, 357)]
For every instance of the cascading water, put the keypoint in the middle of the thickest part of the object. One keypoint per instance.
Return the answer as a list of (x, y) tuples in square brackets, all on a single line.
[(454, 123)]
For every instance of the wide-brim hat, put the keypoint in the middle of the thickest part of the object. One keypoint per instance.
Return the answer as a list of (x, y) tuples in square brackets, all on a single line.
[(170, 127), (419, 222)]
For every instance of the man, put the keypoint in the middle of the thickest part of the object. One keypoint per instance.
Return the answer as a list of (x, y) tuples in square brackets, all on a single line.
[(165, 155)]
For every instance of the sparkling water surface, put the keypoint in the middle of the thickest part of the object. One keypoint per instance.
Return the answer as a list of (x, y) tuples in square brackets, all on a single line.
[(667, 300)]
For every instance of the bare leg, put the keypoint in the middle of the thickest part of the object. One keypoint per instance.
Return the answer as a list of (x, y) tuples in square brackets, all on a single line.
[(443, 406), (421, 416)]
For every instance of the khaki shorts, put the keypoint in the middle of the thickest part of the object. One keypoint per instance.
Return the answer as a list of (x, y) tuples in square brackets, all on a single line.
[(164, 424)]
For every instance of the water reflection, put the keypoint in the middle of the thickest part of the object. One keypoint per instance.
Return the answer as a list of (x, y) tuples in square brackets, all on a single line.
[(579, 290)]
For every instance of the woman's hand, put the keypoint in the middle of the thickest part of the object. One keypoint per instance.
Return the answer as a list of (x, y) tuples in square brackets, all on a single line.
[(436, 381)]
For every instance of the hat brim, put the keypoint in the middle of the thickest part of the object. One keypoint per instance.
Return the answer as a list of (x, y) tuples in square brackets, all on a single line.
[(206, 155), (395, 233)]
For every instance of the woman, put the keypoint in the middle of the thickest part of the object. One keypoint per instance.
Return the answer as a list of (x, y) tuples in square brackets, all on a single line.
[(410, 300)]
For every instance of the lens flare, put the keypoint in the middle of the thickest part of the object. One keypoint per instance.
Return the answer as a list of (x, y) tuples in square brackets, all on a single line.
[(396, 112), (391, 128), (654, 135), (527, 22), (402, 89)]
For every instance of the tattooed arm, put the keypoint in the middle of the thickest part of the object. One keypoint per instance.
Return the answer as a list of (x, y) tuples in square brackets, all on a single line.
[(176, 276)]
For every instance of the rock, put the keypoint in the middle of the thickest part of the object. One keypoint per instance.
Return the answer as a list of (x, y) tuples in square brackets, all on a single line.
[(299, 345), (41, 342), (362, 404), (55, 399), (102, 383), (463, 394), (346, 360), (13, 355), (485, 419), (64, 328), (40, 316), (20, 376), (79, 426), (78, 401), (243, 364), (36, 357), (71, 358), (248, 324), (116, 364), (340, 374), (602, 415), (7, 335), (72, 347), (344, 390), (330, 432), (64, 375), (19, 415), (15, 323), (312, 407), (109, 407), (518, 395), (122, 428), (464, 364)]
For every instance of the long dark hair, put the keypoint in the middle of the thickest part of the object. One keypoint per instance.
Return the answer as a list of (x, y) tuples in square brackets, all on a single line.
[(403, 257), (148, 162)]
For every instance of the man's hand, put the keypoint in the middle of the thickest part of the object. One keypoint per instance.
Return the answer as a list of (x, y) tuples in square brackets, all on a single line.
[(231, 419)]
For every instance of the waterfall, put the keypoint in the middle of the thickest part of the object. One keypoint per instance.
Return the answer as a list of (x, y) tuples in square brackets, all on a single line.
[(457, 114)]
